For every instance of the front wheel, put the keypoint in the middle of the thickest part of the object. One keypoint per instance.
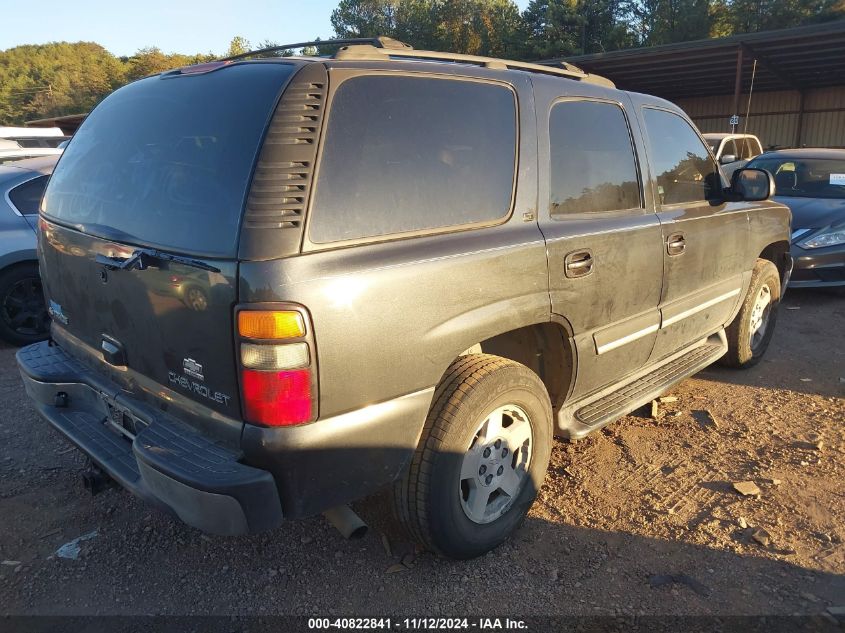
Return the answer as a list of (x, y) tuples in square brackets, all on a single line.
[(481, 459), (750, 333)]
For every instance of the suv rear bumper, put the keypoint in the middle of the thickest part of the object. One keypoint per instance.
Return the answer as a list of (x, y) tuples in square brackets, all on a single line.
[(165, 463)]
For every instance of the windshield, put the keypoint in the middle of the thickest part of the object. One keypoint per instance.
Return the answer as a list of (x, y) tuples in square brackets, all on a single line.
[(805, 177), (166, 161)]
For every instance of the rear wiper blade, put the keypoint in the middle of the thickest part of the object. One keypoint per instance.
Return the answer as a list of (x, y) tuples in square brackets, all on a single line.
[(140, 259), (103, 230)]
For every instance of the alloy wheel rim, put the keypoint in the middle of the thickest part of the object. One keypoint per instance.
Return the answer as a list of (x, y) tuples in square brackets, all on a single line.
[(494, 469), (760, 316), (24, 310)]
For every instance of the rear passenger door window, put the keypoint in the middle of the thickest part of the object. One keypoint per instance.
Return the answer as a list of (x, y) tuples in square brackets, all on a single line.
[(593, 167), (682, 165), (404, 155)]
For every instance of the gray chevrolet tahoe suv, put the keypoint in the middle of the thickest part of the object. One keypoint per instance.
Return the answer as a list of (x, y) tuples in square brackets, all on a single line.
[(415, 270)]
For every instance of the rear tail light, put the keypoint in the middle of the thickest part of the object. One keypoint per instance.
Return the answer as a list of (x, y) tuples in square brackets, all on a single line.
[(271, 324), (277, 398), (270, 357), (278, 379)]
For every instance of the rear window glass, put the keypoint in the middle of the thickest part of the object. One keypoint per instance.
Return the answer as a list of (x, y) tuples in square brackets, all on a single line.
[(408, 154), (27, 197), (166, 162)]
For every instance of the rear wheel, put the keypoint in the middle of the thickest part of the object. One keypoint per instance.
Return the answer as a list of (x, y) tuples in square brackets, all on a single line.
[(23, 312), (750, 333), (195, 299), (481, 459)]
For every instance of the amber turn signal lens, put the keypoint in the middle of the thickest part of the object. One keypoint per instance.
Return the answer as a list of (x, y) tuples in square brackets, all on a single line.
[(270, 324)]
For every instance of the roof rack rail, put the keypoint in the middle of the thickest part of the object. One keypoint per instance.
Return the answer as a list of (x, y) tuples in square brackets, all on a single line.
[(368, 51), (384, 48), (374, 42)]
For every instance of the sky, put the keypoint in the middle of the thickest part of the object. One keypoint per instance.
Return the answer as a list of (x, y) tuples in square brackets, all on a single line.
[(174, 26)]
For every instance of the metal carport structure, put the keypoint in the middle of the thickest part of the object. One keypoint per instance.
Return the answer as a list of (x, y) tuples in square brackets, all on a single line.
[(798, 81)]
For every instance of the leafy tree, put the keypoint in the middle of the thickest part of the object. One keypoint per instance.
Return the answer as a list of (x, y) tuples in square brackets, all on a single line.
[(364, 18), (667, 21), (151, 61), (238, 46), (38, 81), (483, 27), (479, 27), (566, 27), (748, 16)]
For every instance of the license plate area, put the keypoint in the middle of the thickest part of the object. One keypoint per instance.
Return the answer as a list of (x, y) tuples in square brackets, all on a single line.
[(121, 420)]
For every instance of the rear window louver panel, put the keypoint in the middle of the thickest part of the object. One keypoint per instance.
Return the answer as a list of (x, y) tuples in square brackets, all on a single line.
[(278, 195)]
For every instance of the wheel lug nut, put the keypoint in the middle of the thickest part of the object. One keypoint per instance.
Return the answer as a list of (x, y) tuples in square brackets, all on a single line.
[(488, 479), (482, 470), (498, 444), (504, 452), (500, 470), (487, 452)]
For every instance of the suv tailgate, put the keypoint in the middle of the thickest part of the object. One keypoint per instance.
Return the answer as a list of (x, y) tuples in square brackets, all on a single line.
[(162, 166), (170, 322)]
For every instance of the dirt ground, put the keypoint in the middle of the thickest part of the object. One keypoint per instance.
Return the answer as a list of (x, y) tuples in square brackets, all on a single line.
[(641, 518)]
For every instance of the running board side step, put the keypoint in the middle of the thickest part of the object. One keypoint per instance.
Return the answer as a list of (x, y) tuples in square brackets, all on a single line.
[(591, 413)]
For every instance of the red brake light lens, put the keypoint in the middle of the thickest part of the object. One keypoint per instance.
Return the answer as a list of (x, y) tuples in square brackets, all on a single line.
[(277, 398)]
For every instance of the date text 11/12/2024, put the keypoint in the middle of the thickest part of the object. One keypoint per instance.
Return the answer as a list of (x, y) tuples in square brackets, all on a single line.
[(418, 624)]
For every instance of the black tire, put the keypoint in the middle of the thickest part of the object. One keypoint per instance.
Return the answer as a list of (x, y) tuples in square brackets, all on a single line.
[(742, 353), (23, 312), (428, 498)]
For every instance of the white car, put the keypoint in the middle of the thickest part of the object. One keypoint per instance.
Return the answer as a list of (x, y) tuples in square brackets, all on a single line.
[(733, 151), (17, 143), (12, 151)]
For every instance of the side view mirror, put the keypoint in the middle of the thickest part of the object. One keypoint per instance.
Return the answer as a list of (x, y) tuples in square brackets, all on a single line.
[(752, 184), (727, 159)]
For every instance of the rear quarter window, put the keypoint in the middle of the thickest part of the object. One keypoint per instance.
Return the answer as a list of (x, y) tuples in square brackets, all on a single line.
[(407, 154), (26, 197)]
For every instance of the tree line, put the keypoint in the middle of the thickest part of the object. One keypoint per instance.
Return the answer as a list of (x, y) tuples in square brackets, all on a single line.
[(560, 28), (59, 78)]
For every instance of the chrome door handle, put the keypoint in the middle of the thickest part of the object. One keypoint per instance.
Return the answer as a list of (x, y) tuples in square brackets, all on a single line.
[(578, 264), (676, 244)]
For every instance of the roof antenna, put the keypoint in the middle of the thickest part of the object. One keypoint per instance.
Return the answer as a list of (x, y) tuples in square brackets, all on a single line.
[(750, 92)]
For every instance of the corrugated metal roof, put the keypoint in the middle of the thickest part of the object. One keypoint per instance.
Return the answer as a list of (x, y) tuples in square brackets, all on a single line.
[(788, 59)]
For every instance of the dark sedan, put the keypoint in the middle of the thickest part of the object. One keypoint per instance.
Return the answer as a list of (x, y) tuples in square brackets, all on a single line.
[(811, 182)]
